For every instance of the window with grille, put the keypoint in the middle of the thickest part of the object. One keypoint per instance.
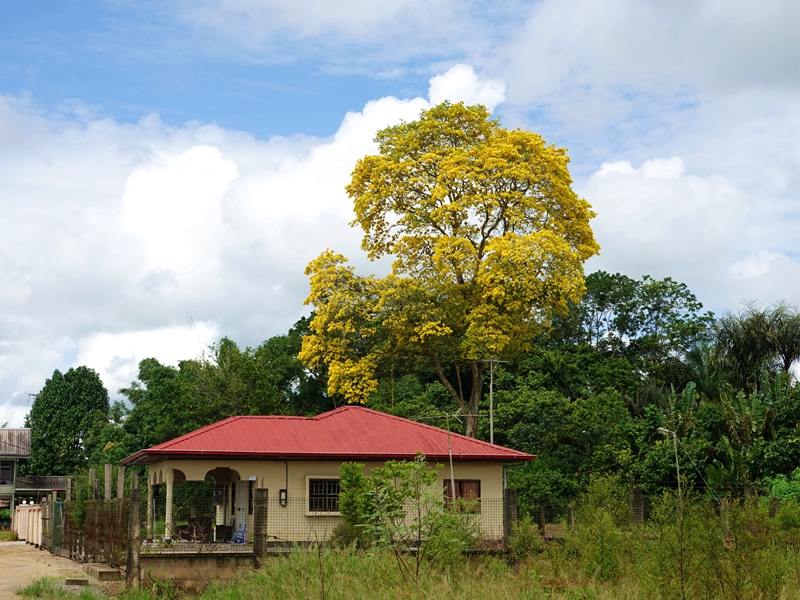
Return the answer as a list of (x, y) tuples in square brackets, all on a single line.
[(323, 495), (467, 496)]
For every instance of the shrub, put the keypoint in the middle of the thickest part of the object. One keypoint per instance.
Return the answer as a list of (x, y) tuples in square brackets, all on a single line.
[(526, 539), (7, 536), (603, 513)]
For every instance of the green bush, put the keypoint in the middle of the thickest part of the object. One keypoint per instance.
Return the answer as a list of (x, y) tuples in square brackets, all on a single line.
[(603, 513), (397, 508), (526, 539), (7, 536)]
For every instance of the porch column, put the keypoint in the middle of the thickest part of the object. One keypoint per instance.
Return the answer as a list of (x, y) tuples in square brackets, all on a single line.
[(220, 517), (168, 525), (149, 507)]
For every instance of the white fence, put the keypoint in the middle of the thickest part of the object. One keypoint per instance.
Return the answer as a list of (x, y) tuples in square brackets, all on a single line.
[(28, 523)]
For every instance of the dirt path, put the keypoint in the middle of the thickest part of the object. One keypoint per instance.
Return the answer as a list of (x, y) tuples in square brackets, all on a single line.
[(21, 562)]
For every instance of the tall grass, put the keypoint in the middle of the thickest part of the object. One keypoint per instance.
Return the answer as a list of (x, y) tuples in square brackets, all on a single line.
[(51, 588), (691, 548)]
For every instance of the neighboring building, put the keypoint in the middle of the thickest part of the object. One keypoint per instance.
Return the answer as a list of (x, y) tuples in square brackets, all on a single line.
[(15, 446), (297, 460)]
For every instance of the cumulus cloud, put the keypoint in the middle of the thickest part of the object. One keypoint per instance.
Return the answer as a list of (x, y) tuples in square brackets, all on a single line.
[(658, 220), (335, 34), (768, 277), (169, 203), (116, 239), (582, 45), (116, 356), (461, 83)]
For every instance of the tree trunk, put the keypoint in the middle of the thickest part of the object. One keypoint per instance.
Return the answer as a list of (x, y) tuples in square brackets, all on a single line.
[(468, 409), (471, 418)]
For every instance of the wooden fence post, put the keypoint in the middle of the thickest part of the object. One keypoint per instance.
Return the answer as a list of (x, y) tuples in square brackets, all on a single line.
[(93, 484), (571, 518), (260, 515), (120, 482), (774, 507), (637, 505), (509, 512), (132, 574), (542, 518), (108, 482)]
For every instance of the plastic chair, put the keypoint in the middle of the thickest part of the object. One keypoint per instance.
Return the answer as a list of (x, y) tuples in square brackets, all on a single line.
[(238, 535)]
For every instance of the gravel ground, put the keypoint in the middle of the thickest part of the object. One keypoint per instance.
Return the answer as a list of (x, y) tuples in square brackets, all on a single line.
[(20, 563)]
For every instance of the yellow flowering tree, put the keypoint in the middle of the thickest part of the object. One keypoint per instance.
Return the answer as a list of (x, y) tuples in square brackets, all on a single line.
[(488, 240)]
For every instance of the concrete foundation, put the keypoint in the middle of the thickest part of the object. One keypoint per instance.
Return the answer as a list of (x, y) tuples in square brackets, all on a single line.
[(193, 572)]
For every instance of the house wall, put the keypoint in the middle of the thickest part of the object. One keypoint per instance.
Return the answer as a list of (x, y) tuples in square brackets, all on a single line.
[(291, 523)]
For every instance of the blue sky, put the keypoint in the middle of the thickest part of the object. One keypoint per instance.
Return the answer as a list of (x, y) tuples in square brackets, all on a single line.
[(167, 169), (125, 60)]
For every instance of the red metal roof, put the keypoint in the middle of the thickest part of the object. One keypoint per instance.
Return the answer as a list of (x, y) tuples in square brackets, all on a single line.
[(348, 433)]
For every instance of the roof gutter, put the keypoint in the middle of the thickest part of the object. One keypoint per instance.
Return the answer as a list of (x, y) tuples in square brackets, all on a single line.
[(142, 456)]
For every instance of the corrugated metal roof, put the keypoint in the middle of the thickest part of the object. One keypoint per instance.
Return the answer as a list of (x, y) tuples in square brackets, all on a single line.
[(347, 433), (15, 443)]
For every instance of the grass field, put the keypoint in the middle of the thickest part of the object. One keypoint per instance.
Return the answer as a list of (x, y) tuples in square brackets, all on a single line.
[(690, 549)]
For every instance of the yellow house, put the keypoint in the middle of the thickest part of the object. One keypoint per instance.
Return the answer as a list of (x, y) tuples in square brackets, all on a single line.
[(297, 459)]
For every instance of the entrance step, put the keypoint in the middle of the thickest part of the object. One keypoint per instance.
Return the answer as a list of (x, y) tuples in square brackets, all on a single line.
[(102, 572)]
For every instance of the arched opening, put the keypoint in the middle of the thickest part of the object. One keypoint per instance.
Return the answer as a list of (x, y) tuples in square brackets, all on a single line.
[(222, 475)]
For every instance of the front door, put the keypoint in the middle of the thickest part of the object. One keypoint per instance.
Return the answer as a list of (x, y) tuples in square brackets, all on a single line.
[(240, 504)]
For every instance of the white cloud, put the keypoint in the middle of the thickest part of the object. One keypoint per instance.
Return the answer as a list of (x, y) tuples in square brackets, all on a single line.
[(461, 84), (349, 35), (115, 237), (768, 277), (172, 202), (704, 231), (581, 45), (307, 18), (116, 356)]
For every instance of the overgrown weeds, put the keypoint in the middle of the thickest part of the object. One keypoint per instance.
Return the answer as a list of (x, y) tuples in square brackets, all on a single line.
[(691, 548), (50, 588), (7, 536)]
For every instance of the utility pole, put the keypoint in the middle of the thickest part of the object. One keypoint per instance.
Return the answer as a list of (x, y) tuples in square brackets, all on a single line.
[(492, 362), (664, 431)]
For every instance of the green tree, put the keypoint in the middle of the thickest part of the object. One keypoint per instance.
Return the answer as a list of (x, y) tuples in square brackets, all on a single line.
[(398, 507), (489, 241), (755, 343), (652, 322), (65, 420), (166, 402)]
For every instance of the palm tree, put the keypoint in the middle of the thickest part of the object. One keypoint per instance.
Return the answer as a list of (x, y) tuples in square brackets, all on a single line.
[(744, 342), (785, 326), (755, 342)]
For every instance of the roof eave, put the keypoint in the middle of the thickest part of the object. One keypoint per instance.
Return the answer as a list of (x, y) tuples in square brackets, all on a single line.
[(145, 457)]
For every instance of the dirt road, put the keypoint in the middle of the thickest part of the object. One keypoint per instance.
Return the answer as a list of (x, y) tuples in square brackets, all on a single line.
[(21, 562)]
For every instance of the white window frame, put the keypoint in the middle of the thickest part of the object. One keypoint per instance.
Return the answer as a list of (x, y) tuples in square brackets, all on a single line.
[(319, 513)]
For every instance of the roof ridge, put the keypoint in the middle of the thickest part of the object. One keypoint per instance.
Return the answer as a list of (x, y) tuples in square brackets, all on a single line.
[(431, 427), (296, 417), (196, 432), (337, 410)]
